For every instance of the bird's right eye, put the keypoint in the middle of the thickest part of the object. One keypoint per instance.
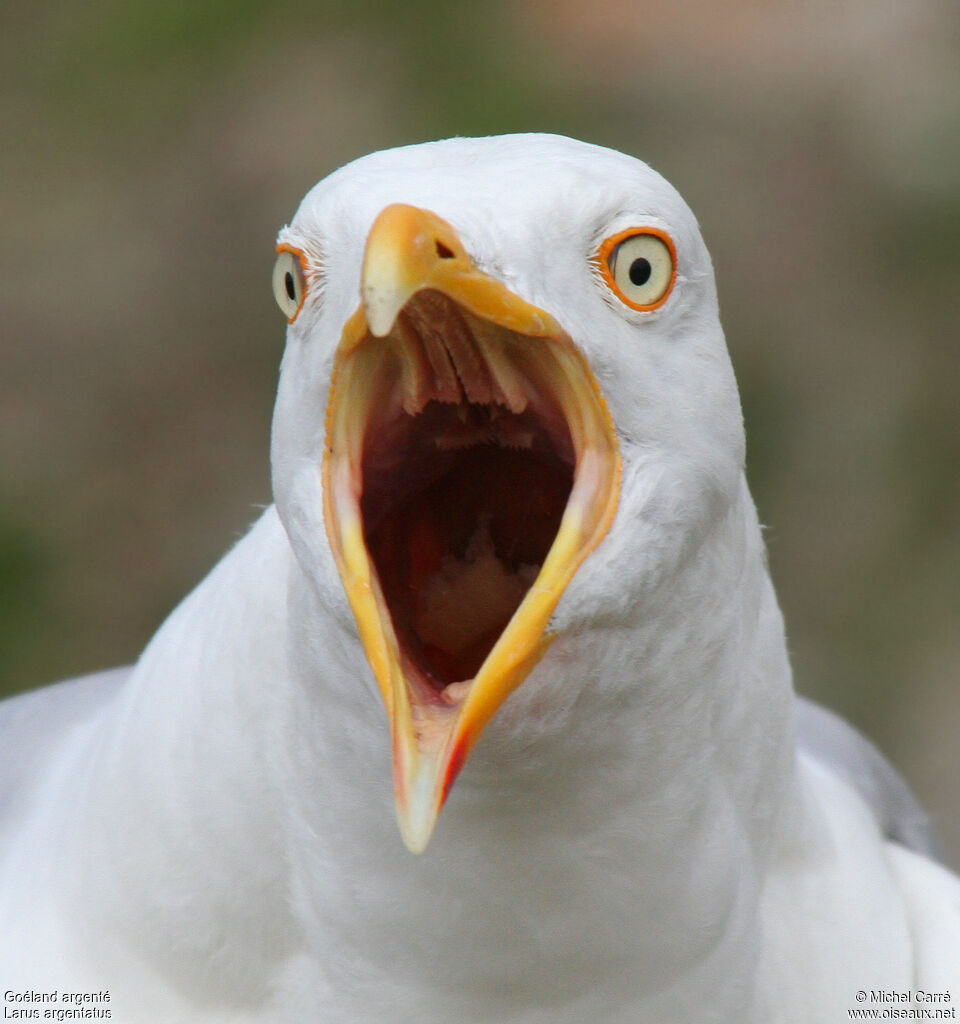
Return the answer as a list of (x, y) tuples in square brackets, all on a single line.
[(289, 281)]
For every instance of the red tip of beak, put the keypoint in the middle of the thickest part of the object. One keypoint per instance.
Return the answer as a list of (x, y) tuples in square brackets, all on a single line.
[(457, 756)]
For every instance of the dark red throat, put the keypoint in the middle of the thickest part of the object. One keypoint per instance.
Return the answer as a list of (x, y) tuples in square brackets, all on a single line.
[(459, 507), (461, 495)]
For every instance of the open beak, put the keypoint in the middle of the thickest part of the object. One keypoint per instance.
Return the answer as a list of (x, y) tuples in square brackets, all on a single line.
[(471, 466)]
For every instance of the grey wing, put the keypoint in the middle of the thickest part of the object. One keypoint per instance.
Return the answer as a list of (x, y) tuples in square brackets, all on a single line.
[(33, 724), (830, 740)]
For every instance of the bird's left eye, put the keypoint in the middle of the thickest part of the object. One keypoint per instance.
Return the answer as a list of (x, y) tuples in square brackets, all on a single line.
[(639, 266), (289, 281)]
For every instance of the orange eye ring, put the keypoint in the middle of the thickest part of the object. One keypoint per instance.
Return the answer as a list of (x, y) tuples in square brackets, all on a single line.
[(607, 259), (290, 281)]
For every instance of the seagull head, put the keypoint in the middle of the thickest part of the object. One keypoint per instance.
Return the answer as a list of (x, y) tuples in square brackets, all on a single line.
[(505, 408)]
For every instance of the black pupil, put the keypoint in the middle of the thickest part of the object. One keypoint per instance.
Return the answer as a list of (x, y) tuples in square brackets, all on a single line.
[(291, 287), (640, 271)]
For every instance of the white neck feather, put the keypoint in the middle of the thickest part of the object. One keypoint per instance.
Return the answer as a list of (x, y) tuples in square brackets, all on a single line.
[(625, 835)]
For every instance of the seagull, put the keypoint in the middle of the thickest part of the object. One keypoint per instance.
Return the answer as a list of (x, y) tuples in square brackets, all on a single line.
[(512, 596)]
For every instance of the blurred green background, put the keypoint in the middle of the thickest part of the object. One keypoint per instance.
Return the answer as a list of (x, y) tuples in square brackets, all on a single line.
[(150, 150)]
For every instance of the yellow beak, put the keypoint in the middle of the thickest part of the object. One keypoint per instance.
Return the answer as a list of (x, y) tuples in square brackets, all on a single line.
[(435, 335)]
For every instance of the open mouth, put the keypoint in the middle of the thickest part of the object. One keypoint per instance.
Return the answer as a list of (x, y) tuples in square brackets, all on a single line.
[(471, 466), (463, 492)]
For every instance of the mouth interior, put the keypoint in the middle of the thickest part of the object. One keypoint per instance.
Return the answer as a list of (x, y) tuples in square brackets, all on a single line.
[(460, 504)]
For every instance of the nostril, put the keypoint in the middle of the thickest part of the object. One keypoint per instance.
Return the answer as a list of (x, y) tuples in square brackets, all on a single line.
[(442, 251)]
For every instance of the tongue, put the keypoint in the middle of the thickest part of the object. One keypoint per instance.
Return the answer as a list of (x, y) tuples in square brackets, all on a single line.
[(480, 582)]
